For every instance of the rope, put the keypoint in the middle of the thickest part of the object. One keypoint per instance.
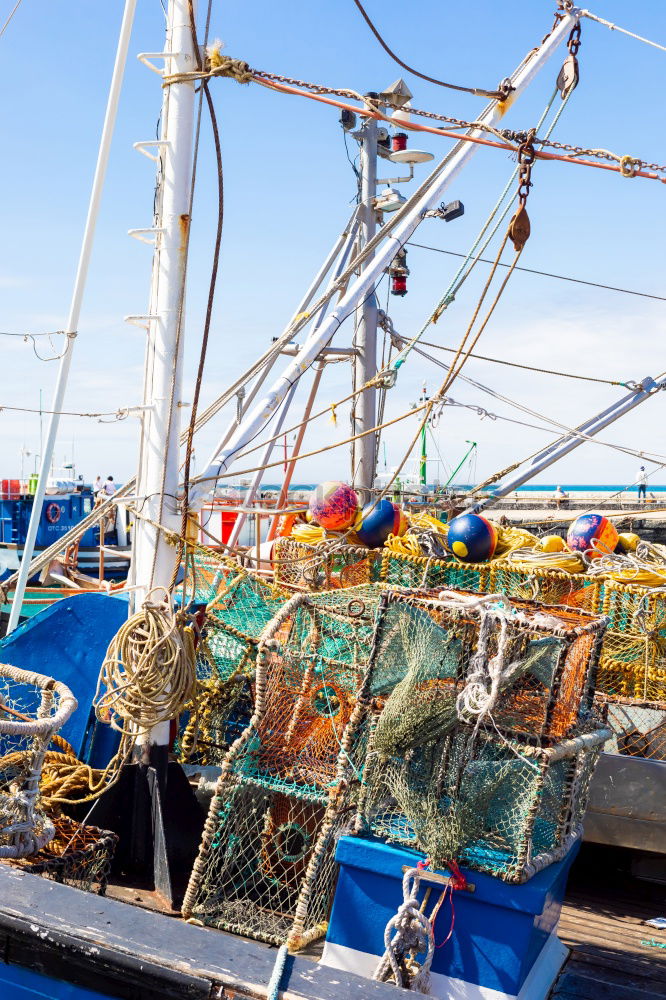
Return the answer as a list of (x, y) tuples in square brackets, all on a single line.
[(498, 95), (273, 988), (148, 673), (408, 932), (626, 166)]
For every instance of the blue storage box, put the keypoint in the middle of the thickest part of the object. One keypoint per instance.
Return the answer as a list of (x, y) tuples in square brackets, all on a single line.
[(504, 943)]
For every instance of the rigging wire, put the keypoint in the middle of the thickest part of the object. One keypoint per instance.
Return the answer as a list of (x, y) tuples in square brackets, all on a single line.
[(547, 274), (476, 91), (515, 364), (623, 31), (559, 428), (9, 19)]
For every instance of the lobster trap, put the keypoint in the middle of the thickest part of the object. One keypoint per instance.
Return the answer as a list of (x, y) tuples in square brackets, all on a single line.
[(329, 565), (270, 871), (498, 805), (265, 866), (78, 855), (33, 707), (532, 668)]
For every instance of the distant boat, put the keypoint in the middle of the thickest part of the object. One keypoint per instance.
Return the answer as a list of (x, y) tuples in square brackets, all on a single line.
[(66, 504)]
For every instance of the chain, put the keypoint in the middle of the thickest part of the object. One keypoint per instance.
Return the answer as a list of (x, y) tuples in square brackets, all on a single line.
[(526, 157), (574, 40), (629, 164)]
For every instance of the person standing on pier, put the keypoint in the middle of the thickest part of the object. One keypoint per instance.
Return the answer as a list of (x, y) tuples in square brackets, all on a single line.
[(641, 480)]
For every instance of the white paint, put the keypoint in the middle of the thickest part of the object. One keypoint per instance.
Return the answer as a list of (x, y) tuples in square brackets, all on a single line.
[(537, 985)]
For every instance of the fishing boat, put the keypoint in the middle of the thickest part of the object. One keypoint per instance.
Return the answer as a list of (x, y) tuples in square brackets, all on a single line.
[(354, 755)]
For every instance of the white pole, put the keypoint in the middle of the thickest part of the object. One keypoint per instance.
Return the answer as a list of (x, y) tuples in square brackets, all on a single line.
[(554, 452), (364, 411), (253, 424), (75, 307), (158, 474)]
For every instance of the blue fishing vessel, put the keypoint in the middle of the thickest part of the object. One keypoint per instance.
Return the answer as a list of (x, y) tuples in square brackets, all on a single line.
[(61, 511)]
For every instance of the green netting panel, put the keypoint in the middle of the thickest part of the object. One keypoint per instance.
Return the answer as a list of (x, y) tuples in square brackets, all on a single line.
[(270, 871), (549, 656), (496, 805)]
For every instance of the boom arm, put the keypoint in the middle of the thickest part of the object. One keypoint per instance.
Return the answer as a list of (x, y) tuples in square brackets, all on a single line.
[(553, 452)]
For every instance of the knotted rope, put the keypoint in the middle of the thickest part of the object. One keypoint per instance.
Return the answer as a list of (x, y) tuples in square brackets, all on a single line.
[(408, 932)]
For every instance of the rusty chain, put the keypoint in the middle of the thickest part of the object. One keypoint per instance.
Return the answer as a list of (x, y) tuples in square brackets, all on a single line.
[(526, 157)]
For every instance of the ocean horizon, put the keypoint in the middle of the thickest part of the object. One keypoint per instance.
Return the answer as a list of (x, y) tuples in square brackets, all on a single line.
[(527, 488)]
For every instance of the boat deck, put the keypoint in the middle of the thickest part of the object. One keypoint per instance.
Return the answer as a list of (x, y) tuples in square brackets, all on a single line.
[(614, 954)]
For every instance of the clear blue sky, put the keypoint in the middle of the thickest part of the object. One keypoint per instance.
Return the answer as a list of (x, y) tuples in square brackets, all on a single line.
[(288, 189)]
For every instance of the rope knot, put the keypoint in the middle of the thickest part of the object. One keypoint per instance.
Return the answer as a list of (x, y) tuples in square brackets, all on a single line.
[(220, 65)]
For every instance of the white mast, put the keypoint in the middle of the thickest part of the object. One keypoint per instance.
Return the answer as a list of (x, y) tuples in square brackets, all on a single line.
[(158, 473), (427, 198), (46, 456), (365, 339)]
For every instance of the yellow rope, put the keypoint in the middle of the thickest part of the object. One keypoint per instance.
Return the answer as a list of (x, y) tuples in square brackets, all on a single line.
[(148, 674)]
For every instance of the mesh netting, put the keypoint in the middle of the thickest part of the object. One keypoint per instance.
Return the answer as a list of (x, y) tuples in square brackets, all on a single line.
[(638, 728), (549, 656), (548, 586), (32, 709), (271, 870), (78, 855), (239, 606), (401, 570), (266, 866), (326, 566), (494, 804)]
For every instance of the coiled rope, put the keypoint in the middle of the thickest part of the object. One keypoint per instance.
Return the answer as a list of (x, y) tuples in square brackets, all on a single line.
[(148, 674)]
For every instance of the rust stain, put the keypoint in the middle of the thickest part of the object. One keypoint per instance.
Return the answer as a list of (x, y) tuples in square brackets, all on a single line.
[(184, 226)]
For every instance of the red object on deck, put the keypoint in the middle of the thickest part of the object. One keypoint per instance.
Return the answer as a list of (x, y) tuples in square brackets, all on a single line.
[(11, 489), (217, 521)]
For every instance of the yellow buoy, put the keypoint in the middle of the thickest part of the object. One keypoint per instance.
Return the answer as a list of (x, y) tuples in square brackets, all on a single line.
[(552, 543), (628, 541)]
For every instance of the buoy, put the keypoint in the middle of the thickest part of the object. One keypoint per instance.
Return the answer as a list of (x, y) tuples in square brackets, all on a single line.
[(593, 534), (334, 505), (552, 543), (400, 522), (376, 523), (628, 541), (472, 538)]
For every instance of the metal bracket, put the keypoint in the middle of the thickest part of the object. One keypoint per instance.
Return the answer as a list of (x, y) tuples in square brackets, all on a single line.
[(146, 57), (436, 879), (137, 234), (143, 147), (140, 320)]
